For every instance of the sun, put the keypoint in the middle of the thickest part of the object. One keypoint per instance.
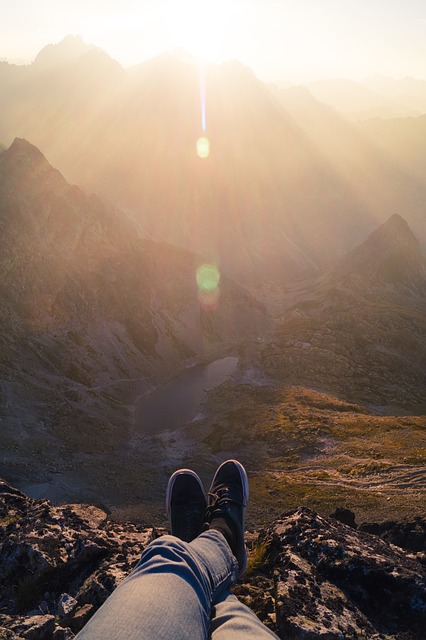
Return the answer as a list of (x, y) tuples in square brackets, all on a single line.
[(201, 27)]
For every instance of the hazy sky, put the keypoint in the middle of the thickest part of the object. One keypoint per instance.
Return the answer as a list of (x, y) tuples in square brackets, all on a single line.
[(280, 40)]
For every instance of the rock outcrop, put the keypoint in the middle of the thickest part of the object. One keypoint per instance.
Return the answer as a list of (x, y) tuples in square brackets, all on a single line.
[(409, 534), (59, 564), (326, 580), (309, 577)]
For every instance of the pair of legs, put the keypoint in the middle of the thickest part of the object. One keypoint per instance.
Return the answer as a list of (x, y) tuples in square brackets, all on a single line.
[(180, 589)]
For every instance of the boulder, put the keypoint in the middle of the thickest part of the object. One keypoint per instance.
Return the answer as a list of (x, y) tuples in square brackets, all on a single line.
[(36, 627), (81, 616), (66, 605)]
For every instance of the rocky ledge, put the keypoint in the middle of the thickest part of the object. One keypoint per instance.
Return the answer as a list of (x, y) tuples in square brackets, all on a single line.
[(309, 577)]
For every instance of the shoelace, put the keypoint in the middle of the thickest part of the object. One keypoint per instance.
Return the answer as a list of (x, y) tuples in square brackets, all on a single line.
[(218, 501)]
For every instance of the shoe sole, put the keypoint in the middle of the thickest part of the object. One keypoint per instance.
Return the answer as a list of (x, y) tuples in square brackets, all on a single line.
[(171, 484)]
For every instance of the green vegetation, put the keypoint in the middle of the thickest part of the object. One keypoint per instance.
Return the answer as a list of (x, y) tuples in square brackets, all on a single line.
[(258, 557), (278, 494), (365, 469), (308, 448)]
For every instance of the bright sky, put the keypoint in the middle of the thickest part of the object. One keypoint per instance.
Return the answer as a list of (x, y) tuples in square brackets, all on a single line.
[(295, 40)]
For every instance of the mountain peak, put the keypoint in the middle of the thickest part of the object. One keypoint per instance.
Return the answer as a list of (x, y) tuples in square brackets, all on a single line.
[(391, 254), (23, 159), (393, 236), (21, 146), (22, 153), (70, 48), (396, 223)]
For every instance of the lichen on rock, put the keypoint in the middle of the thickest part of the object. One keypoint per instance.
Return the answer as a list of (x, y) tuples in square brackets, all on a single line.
[(316, 577)]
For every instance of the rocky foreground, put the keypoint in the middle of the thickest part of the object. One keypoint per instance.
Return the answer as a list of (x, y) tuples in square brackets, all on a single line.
[(309, 577)]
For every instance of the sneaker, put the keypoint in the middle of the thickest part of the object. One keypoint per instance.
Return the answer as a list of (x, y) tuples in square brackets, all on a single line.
[(185, 504), (227, 501)]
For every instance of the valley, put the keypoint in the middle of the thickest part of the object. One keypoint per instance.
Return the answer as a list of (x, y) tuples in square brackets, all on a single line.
[(300, 447), (317, 389), (301, 351)]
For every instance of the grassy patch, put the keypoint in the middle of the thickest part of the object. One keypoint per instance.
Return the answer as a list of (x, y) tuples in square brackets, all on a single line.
[(307, 448), (272, 496), (372, 467), (257, 558)]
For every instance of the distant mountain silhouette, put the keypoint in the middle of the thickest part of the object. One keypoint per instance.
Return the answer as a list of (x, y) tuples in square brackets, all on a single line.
[(289, 184), (409, 92), (70, 48), (402, 139), (357, 100)]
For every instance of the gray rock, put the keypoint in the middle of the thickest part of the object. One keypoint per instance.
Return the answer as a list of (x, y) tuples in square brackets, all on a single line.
[(62, 634), (331, 582), (8, 634), (81, 616), (319, 580), (66, 605), (37, 628), (344, 515)]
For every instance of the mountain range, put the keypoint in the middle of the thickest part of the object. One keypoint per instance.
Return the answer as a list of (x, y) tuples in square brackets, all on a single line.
[(375, 97), (93, 316), (289, 184)]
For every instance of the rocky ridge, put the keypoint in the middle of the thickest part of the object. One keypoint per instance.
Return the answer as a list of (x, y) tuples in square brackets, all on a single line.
[(309, 577)]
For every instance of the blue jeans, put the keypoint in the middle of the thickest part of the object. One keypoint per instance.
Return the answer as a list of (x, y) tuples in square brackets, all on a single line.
[(178, 591)]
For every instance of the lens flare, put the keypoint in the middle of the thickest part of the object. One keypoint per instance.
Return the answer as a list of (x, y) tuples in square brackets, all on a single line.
[(208, 278), (203, 93), (203, 147)]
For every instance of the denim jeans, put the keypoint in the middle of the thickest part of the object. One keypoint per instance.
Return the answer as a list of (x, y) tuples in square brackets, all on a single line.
[(178, 591)]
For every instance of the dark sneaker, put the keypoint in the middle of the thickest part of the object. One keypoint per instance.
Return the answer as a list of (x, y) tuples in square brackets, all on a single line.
[(185, 504), (227, 502)]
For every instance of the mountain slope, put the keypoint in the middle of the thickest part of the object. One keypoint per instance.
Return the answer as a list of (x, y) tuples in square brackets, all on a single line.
[(358, 100), (390, 255), (359, 329), (91, 316)]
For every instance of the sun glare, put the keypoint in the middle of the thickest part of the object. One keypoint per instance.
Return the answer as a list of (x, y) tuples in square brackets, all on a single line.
[(201, 27), (203, 148)]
